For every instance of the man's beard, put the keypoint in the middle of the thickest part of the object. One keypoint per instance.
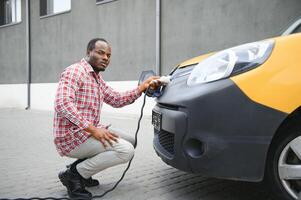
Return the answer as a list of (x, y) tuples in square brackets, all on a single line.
[(98, 69)]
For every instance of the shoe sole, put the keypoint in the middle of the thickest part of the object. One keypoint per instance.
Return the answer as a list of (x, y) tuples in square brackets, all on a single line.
[(78, 198)]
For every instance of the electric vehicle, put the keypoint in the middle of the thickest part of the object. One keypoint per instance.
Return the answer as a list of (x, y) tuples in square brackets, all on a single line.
[(236, 114)]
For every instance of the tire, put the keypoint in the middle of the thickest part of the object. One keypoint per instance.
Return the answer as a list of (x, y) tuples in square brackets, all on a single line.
[(283, 172)]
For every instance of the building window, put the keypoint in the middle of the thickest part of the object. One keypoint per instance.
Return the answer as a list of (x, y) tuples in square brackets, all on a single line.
[(104, 1), (10, 11), (52, 7)]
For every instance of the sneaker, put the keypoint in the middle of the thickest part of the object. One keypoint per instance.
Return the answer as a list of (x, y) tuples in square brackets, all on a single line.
[(74, 185), (90, 182)]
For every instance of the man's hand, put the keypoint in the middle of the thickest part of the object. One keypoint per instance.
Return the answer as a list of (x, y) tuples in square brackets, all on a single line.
[(149, 83), (102, 134)]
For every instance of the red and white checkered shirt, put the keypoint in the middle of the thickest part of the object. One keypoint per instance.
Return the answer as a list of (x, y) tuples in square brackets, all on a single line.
[(78, 102)]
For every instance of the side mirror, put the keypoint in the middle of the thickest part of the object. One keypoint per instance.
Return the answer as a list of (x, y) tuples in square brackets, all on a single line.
[(145, 75)]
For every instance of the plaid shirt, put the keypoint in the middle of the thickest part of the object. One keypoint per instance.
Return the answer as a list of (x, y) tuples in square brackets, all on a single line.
[(78, 102)]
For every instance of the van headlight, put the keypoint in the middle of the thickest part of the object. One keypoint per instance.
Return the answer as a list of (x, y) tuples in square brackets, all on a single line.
[(231, 62)]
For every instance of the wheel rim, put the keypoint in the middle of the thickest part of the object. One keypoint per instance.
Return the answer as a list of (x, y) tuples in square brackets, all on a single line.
[(289, 168)]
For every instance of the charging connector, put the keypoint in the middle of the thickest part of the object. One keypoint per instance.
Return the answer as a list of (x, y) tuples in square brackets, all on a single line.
[(163, 80)]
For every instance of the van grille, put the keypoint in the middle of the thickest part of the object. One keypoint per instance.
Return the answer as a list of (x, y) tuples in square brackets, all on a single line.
[(166, 140), (168, 106)]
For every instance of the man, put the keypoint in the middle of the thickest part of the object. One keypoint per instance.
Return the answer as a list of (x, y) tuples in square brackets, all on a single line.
[(77, 129)]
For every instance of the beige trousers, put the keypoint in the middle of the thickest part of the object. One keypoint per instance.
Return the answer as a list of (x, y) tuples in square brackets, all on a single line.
[(99, 158)]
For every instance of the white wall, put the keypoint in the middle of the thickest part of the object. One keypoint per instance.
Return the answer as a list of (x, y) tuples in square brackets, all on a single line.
[(13, 96), (42, 97)]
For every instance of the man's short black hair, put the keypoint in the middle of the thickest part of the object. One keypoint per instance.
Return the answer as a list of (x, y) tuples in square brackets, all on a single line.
[(91, 44)]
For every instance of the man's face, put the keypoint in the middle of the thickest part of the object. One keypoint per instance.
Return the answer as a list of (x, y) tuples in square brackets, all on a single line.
[(99, 57)]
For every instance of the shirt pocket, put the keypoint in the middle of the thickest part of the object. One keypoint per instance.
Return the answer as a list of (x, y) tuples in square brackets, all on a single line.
[(85, 96)]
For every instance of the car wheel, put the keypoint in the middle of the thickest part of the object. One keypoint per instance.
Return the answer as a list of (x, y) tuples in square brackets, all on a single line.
[(284, 165)]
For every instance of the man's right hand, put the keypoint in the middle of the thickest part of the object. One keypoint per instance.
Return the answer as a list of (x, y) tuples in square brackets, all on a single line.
[(102, 134), (149, 83)]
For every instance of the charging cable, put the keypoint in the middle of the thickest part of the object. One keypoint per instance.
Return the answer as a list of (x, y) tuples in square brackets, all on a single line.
[(163, 80), (123, 174), (135, 145)]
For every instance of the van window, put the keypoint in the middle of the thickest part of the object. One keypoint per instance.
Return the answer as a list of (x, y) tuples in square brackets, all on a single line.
[(298, 29)]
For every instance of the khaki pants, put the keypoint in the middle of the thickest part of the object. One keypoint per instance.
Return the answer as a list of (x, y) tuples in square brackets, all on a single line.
[(99, 158)]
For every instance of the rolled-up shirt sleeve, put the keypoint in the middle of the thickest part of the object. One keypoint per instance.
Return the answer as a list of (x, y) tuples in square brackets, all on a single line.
[(64, 103), (119, 99)]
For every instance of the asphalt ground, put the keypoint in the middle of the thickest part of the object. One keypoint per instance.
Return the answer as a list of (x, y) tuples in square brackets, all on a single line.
[(29, 165)]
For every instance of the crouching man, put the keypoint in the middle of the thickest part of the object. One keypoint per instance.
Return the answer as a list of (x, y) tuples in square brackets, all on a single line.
[(78, 132)]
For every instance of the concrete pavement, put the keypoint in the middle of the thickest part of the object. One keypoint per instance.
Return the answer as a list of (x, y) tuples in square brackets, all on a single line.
[(30, 164)]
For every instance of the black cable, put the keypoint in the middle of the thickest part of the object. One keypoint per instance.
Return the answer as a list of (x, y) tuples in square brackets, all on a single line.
[(135, 145), (117, 183)]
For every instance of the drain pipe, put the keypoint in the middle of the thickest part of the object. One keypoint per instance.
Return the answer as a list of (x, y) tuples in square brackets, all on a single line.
[(28, 52), (158, 37)]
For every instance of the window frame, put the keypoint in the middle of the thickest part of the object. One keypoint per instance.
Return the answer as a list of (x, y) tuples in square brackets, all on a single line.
[(297, 29), (293, 26), (57, 13), (14, 23), (104, 2), (10, 24)]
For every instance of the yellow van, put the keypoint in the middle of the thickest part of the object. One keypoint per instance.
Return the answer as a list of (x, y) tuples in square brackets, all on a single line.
[(236, 114)]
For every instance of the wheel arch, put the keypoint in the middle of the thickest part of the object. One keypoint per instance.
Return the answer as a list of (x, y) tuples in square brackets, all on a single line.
[(292, 121)]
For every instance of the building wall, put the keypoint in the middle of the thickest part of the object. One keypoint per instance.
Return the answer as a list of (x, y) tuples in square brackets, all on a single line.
[(200, 26), (61, 40), (13, 52), (188, 29)]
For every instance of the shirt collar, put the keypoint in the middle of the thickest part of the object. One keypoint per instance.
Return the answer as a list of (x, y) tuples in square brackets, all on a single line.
[(86, 65), (88, 68)]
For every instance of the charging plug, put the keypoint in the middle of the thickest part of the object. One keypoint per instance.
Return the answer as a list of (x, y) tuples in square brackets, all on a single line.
[(164, 80)]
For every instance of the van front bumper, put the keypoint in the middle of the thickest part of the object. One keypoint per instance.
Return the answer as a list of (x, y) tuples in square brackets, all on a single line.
[(214, 130)]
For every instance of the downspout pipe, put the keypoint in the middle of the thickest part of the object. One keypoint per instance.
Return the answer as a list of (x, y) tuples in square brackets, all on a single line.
[(28, 53), (158, 37)]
